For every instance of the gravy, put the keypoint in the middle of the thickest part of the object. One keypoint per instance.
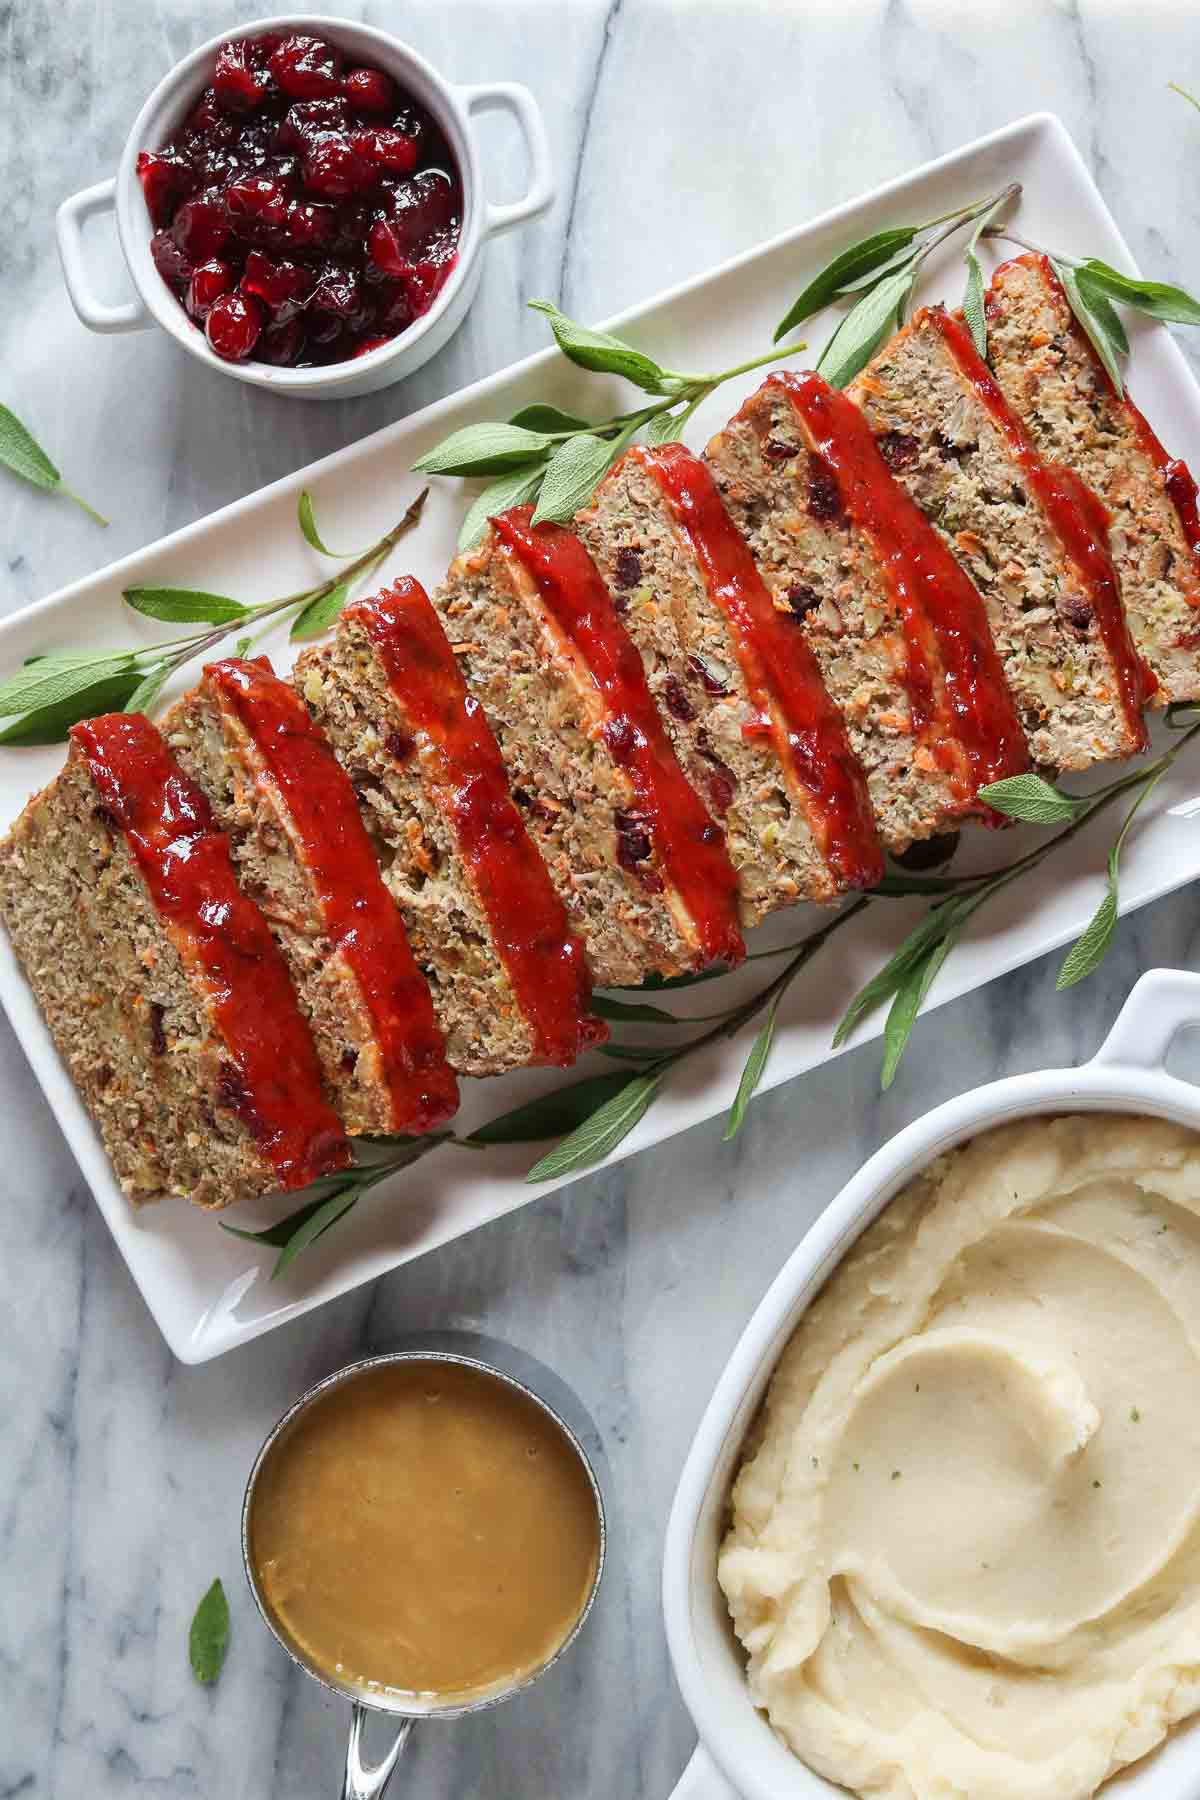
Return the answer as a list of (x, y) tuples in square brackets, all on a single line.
[(423, 1528)]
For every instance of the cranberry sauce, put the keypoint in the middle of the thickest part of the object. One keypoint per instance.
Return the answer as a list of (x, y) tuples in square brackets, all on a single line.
[(305, 212)]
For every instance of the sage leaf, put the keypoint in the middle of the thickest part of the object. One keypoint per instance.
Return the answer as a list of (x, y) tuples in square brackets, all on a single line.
[(1157, 298), (752, 1074), (278, 1235), (185, 606), (1094, 325), (606, 1128), (316, 1225), (485, 449), (667, 427), (601, 352), (50, 724), (147, 690), (21, 452), (572, 476), (320, 612), (208, 1637), (973, 306), (859, 261), (910, 997), (46, 684), (541, 417), (1031, 798), (308, 525), (633, 1011), (864, 329), (552, 1114), (1090, 947), (639, 1053), (1098, 303), (513, 489), (887, 981)]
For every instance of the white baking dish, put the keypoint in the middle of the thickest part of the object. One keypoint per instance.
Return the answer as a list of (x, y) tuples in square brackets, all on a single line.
[(1128, 1074)]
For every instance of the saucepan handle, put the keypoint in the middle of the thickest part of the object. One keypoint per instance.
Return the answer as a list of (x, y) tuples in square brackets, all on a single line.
[(1161, 1003), (702, 1780), (369, 1781)]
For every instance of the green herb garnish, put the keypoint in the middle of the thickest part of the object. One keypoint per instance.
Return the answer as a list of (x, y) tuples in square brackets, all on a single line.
[(21, 452), (208, 1638)]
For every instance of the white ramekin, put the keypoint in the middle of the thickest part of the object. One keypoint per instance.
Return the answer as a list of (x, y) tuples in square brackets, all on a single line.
[(737, 1746), (452, 108)]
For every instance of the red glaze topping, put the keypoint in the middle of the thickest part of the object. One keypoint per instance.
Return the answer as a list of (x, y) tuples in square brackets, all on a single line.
[(543, 961), (797, 717), (690, 849), (1079, 519), (272, 1079), (968, 714), (359, 916)]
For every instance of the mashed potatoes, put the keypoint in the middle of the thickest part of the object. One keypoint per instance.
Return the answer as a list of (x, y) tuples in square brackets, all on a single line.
[(965, 1551)]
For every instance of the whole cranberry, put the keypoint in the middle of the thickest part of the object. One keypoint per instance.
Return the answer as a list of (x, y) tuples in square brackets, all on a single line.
[(423, 209), (256, 201), (370, 90), (308, 120), (282, 344), (170, 261), (392, 311), (423, 282), (308, 227), (208, 283), (307, 67), (338, 291), (282, 287), (386, 149), (238, 83), (386, 248), (206, 119), (334, 169), (233, 326), (201, 227), (166, 179)]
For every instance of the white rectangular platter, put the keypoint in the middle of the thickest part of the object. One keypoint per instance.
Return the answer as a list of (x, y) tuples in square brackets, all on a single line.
[(210, 1291)]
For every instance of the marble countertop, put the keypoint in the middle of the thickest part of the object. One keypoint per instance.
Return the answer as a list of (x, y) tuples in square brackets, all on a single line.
[(683, 132)]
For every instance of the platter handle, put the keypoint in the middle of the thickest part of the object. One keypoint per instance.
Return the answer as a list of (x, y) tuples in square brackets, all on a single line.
[(512, 97), (369, 1781), (1158, 1007), (69, 221), (702, 1780)]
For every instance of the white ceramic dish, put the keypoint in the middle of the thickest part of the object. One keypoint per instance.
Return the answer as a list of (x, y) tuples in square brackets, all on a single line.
[(1128, 1074), (209, 1291), (452, 107)]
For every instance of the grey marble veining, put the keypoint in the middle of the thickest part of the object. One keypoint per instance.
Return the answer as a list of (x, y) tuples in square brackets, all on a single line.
[(683, 133)]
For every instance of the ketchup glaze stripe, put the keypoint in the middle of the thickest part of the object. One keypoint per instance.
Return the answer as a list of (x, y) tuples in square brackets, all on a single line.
[(543, 960), (273, 1078), (690, 848), (781, 673), (361, 919), (1079, 518), (943, 615)]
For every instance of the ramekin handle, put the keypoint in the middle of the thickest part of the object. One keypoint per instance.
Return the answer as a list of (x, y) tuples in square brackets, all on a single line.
[(1160, 1004), (702, 1780), (68, 224), (511, 97), (368, 1781)]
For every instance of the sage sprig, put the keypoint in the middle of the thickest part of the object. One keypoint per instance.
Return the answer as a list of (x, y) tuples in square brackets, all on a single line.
[(208, 1636), (21, 452), (556, 459), (882, 271), (53, 692)]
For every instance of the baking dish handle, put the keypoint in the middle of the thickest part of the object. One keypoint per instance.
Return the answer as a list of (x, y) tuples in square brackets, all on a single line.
[(511, 97), (1159, 1006), (702, 1780)]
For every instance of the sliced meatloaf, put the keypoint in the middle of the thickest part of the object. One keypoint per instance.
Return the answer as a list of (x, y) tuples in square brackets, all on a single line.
[(1033, 539), (1055, 382), (639, 863), (736, 683), (900, 634), (301, 850), (509, 979), (161, 983)]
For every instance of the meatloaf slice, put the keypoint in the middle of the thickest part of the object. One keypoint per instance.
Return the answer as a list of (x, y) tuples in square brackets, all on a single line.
[(640, 865), (301, 850), (509, 979), (1055, 382), (900, 634), (737, 684), (162, 986), (1033, 539)]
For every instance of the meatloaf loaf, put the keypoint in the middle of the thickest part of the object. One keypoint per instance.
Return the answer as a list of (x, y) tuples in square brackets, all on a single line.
[(159, 978), (1053, 379), (301, 851), (1033, 539), (509, 979), (639, 863), (736, 683), (900, 634)]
